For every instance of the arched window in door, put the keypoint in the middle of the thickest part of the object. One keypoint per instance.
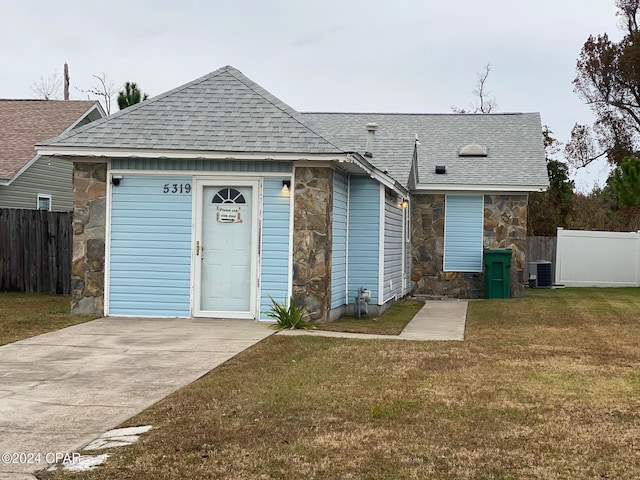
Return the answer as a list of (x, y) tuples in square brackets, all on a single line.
[(228, 195)]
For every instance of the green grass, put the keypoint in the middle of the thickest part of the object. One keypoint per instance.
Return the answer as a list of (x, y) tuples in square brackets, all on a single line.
[(390, 322), (25, 315), (545, 387)]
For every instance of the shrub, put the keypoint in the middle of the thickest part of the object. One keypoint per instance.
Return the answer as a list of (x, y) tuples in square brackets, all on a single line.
[(288, 317)]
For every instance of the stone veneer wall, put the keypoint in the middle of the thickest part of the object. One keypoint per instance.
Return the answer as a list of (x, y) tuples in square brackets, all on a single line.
[(313, 197), (505, 221), (505, 226), (89, 222)]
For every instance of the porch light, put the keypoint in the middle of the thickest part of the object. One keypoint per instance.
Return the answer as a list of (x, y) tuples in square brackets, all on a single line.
[(405, 203), (286, 185)]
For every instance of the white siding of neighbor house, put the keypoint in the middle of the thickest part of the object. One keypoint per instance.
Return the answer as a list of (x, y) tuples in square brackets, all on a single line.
[(463, 232), (150, 247), (48, 176), (392, 249), (339, 247), (364, 237)]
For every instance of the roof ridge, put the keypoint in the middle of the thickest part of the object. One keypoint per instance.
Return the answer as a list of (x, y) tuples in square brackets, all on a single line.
[(420, 114), (137, 106), (281, 105)]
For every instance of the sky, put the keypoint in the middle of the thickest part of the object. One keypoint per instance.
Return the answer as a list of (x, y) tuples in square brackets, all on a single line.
[(407, 56)]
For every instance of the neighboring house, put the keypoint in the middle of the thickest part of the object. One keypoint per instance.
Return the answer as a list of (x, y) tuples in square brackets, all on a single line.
[(27, 180), (216, 196)]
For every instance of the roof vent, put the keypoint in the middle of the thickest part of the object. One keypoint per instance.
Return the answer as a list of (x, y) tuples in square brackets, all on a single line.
[(371, 129), (441, 169), (473, 150)]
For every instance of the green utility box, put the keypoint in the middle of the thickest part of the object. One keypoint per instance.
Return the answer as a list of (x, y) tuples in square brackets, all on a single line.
[(497, 272)]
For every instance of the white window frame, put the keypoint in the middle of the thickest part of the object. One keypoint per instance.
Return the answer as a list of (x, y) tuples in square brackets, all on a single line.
[(44, 196)]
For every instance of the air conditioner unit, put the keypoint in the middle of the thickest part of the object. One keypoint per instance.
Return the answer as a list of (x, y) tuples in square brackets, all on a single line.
[(540, 274)]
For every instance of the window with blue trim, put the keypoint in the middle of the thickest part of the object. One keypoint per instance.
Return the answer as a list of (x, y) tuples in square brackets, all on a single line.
[(463, 231)]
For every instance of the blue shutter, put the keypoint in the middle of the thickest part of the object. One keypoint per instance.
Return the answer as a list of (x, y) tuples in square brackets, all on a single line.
[(463, 230)]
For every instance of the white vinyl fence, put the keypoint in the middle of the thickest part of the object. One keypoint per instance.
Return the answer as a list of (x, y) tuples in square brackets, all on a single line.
[(597, 259)]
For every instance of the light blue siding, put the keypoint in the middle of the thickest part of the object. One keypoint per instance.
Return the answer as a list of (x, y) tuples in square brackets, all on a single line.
[(275, 244), (392, 249), (150, 255), (339, 248), (201, 165), (463, 231), (364, 236)]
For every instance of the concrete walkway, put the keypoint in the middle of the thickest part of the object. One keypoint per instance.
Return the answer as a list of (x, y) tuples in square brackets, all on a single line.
[(63, 389), (437, 320)]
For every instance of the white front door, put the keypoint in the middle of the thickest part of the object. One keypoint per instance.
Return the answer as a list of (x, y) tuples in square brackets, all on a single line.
[(226, 249)]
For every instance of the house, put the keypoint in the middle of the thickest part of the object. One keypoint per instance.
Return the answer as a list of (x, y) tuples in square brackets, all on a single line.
[(469, 177), (216, 196), (28, 180)]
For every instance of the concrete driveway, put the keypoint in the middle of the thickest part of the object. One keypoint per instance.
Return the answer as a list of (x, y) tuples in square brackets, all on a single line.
[(60, 390)]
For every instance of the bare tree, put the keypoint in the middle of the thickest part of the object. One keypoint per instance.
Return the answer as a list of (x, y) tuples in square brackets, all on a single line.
[(484, 103), (105, 91), (608, 81), (47, 88)]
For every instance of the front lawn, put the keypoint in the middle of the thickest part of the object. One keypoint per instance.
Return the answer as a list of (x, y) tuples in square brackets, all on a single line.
[(391, 322), (545, 387), (24, 315)]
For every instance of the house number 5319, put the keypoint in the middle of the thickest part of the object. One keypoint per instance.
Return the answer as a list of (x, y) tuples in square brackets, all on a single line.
[(177, 188)]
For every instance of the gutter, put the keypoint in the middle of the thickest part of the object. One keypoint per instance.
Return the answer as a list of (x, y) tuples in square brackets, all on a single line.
[(114, 152), (446, 188), (358, 160)]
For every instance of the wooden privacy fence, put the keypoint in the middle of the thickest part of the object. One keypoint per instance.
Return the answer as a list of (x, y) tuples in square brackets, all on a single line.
[(35, 251)]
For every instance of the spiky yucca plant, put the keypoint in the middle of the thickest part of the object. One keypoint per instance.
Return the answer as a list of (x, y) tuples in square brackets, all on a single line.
[(288, 316)]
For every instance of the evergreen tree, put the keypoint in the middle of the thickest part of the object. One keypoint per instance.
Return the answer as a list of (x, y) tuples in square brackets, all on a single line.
[(551, 209), (625, 182), (130, 95)]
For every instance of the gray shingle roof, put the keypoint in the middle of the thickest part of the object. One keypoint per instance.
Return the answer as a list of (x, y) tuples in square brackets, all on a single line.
[(515, 148), (225, 111), (221, 111)]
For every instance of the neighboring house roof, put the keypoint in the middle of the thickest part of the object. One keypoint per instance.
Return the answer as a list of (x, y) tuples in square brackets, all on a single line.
[(221, 111), (24, 123), (515, 159)]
